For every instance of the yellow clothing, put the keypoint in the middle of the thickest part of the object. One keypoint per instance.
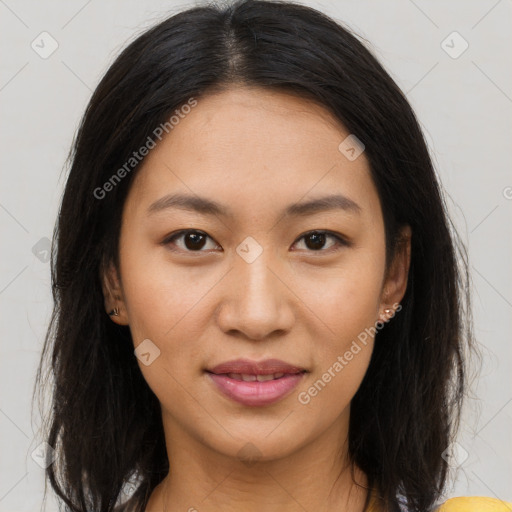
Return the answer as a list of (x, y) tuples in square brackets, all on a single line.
[(475, 504), (462, 504)]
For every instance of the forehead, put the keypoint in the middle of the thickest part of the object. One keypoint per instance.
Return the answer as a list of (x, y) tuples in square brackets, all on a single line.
[(253, 147)]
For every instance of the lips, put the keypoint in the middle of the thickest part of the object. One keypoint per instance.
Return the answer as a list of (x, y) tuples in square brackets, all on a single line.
[(248, 377), (254, 383), (247, 367)]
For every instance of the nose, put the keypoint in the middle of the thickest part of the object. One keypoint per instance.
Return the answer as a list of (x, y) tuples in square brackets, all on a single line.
[(256, 303)]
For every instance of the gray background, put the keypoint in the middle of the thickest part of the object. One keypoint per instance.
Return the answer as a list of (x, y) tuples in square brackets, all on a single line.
[(464, 103)]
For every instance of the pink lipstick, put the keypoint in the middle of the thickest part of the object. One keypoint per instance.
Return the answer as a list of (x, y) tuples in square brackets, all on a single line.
[(254, 383)]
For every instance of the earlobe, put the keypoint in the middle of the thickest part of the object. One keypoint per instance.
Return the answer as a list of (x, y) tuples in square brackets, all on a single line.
[(113, 295), (395, 284)]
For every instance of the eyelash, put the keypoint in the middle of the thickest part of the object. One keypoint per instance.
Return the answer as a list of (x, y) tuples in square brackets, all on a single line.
[(341, 242)]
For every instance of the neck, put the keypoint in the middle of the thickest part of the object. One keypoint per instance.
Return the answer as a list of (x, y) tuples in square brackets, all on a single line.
[(313, 477)]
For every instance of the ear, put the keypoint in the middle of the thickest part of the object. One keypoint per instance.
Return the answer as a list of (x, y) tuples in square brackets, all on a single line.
[(113, 294), (395, 282)]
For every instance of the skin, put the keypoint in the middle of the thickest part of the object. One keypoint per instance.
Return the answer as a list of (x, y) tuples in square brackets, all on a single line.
[(255, 151)]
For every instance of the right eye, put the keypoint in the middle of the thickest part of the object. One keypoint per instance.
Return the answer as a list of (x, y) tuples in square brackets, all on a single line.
[(193, 240)]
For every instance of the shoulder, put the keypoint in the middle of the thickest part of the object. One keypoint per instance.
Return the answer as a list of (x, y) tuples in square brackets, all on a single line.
[(475, 504)]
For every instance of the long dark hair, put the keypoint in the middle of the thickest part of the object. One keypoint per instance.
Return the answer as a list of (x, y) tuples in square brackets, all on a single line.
[(105, 422)]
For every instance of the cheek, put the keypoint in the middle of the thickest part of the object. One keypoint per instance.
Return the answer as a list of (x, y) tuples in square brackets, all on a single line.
[(169, 306), (345, 302), (344, 299), (342, 354), (159, 296), (164, 305)]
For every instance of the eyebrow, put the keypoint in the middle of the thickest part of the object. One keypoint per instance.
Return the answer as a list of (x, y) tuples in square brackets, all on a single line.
[(206, 206)]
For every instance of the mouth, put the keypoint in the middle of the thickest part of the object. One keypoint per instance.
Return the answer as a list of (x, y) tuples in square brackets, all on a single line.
[(253, 383), (251, 377), (247, 367)]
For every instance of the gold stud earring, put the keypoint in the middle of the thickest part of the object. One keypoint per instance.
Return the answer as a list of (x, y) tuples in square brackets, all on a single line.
[(387, 311)]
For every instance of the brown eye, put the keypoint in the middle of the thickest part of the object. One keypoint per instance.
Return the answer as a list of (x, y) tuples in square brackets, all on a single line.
[(195, 241), (192, 241), (316, 240)]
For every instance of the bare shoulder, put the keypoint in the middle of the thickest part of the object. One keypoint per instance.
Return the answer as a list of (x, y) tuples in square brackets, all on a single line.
[(475, 504)]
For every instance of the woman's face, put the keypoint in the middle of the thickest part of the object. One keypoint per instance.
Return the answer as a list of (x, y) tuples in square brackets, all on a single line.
[(254, 283)]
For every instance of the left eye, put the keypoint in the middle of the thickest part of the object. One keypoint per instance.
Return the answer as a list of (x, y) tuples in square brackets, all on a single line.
[(194, 241), (315, 240)]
